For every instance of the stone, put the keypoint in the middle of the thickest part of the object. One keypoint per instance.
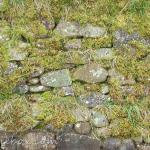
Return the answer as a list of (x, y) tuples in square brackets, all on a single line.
[(91, 31), (143, 147), (91, 73), (81, 114), (73, 44), (59, 78), (22, 88), (78, 142), (17, 55), (38, 71), (92, 99), (99, 120), (68, 91), (112, 144), (39, 141), (127, 145), (103, 132), (12, 67), (104, 53), (105, 89), (82, 127), (114, 74), (33, 81), (37, 88), (68, 29)]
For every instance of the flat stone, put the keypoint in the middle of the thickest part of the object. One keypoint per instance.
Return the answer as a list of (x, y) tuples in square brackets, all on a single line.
[(99, 120), (103, 132), (37, 88), (58, 78), (39, 141), (81, 114), (82, 127), (92, 99), (112, 144), (73, 44), (104, 53), (91, 31), (68, 29), (38, 71), (78, 142), (91, 73), (33, 81), (12, 67)]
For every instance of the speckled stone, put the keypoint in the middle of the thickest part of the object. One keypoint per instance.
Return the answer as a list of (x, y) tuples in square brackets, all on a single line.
[(73, 44)]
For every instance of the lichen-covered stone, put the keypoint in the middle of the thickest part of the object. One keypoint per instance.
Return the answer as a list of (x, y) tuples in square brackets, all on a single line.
[(68, 29), (82, 127), (78, 142), (37, 88), (73, 44), (104, 53), (91, 73), (58, 78), (12, 66), (92, 31), (93, 99), (98, 119)]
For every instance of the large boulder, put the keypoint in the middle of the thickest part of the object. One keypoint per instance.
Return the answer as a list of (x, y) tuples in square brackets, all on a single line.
[(91, 73), (58, 78)]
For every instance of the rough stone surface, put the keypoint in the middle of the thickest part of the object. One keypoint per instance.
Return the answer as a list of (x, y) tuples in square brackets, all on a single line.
[(73, 44), (81, 114), (68, 91), (39, 141), (22, 88), (37, 88), (112, 144), (68, 29), (33, 81), (12, 66), (16, 55), (78, 142), (143, 147), (92, 31), (82, 127), (91, 73), (104, 53), (93, 99), (105, 89), (37, 72), (127, 145), (58, 78), (98, 119), (103, 132)]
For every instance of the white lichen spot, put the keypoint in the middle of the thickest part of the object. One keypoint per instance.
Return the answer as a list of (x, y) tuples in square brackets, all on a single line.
[(96, 73)]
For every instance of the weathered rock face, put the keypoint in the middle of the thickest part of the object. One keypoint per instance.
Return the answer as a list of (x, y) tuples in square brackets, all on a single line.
[(68, 91), (58, 78), (104, 53), (82, 127), (33, 81), (92, 31), (93, 99), (39, 141), (38, 71), (22, 88), (103, 132), (73, 44), (68, 29), (37, 88), (91, 73), (12, 66), (99, 120), (78, 142)]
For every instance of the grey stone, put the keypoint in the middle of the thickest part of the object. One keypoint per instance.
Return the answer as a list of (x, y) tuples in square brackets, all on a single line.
[(68, 91), (22, 88), (33, 81), (82, 127), (38, 71), (12, 66), (81, 114), (78, 142), (104, 53), (92, 99), (68, 29), (127, 145), (73, 44), (143, 147), (103, 132), (91, 73), (39, 141), (114, 74), (92, 31), (99, 120), (37, 88), (112, 144), (58, 78)]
